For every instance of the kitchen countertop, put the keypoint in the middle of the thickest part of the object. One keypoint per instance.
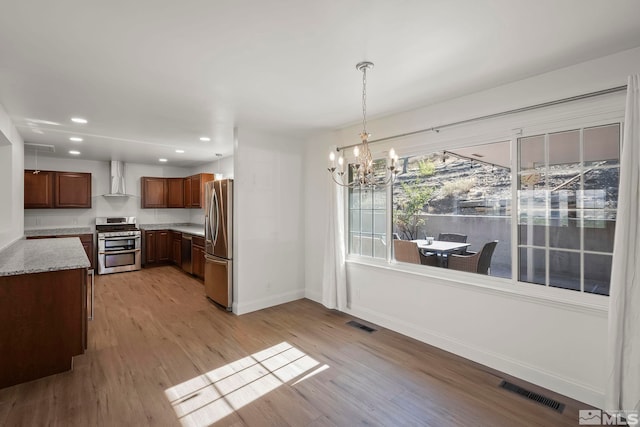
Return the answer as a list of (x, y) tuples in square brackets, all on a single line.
[(42, 255), (195, 229), (58, 231)]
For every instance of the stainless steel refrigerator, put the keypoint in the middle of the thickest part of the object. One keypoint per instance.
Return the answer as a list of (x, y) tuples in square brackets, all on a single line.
[(218, 268)]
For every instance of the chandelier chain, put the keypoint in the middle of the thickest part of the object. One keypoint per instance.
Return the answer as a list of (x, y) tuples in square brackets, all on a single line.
[(364, 100)]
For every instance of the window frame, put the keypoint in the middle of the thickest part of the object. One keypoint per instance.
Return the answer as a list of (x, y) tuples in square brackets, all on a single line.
[(599, 111)]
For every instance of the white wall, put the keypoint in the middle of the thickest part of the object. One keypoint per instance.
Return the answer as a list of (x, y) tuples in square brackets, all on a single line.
[(11, 181), (269, 215), (545, 339), (104, 206)]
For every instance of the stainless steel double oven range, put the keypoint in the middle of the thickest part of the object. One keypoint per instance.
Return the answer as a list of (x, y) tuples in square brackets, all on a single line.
[(118, 244)]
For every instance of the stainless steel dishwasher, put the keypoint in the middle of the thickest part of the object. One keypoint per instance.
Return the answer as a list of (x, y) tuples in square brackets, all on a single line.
[(186, 254)]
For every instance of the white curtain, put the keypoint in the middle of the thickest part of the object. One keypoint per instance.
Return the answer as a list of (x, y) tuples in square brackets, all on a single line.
[(623, 369), (334, 279)]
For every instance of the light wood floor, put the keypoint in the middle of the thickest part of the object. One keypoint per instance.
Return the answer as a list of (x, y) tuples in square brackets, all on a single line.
[(155, 336)]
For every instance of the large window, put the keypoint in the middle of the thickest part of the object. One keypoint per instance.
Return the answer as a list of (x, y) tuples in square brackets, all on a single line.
[(457, 196), (558, 234), (567, 200), (368, 218)]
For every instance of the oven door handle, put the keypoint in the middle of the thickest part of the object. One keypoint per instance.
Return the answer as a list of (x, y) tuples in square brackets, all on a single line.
[(118, 238), (128, 251)]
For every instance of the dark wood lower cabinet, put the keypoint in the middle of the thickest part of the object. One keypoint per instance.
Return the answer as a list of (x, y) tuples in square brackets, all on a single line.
[(197, 261), (43, 324), (165, 246), (149, 247), (176, 248), (162, 246)]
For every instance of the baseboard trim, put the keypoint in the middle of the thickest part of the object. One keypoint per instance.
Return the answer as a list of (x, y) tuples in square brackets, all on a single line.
[(552, 381), (244, 307), (313, 295)]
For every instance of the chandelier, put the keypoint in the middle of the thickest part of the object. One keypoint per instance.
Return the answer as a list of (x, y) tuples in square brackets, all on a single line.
[(363, 174)]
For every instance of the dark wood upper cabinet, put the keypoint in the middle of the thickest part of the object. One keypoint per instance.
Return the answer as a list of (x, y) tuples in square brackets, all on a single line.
[(72, 190), (187, 192), (51, 189), (197, 189), (154, 192), (175, 192), (38, 189)]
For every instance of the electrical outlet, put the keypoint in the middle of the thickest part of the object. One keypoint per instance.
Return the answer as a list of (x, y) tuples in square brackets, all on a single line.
[(358, 293)]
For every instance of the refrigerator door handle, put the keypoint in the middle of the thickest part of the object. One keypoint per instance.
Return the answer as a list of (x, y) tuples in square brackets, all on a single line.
[(215, 208)]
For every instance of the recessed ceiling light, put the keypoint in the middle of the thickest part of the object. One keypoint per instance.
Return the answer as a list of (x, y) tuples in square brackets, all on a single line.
[(180, 151), (76, 139), (162, 160), (205, 138), (74, 152), (79, 120)]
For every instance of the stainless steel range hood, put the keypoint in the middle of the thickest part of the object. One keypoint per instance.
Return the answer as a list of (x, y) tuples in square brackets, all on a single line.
[(117, 180)]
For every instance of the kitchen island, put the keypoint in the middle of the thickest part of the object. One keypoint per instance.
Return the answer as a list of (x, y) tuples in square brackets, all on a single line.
[(43, 311)]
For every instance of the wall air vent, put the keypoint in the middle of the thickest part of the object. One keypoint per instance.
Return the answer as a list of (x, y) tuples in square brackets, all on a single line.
[(40, 148), (543, 400), (358, 325)]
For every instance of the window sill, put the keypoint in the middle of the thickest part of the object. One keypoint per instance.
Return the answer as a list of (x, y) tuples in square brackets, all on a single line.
[(563, 298)]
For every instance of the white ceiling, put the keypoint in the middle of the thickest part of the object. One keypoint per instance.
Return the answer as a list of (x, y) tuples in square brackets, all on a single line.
[(155, 75)]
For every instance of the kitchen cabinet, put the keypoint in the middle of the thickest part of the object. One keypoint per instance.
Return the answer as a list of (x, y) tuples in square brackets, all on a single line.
[(194, 189), (72, 190), (154, 192), (85, 239), (162, 246), (197, 256), (175, 192), (156, 247), (176, 248), (38, 189), (43, 324), (149, 247), (52, 189), (187, 192)]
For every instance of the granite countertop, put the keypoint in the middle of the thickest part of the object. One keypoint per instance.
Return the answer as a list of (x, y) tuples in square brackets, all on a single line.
[(195, 229), (58, 231), (42, 255)]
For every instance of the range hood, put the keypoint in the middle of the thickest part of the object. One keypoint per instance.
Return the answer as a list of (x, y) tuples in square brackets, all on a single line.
[(117, 180)]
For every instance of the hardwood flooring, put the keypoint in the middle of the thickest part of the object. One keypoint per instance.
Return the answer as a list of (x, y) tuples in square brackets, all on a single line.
[(160, 354)]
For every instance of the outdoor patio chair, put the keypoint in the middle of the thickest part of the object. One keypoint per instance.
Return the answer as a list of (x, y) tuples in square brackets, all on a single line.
[(475, 262), (452, 237), (406, 251)]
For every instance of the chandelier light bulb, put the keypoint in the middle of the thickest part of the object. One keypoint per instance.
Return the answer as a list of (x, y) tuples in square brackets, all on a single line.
[(361, 171)]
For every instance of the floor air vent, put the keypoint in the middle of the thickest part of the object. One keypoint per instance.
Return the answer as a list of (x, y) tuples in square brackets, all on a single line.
[(543, 400), (361, 326)]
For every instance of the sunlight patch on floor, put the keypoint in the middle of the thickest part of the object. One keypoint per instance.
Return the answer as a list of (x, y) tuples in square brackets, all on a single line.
[(206, 399)]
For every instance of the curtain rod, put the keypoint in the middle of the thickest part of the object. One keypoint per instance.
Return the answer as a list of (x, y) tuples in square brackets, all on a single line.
[(495, 115)]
